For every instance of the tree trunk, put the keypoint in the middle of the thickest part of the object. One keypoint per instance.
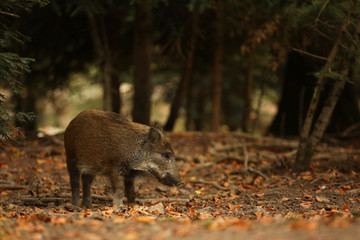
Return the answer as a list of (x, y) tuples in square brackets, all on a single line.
[(217, 65), (107, 85), (318, 89), (142, 62), (189, 107), (186, 76), (248, 90), (200, 117), (115, 93), (298, 85), (308, 143), (26, 102), (105, 59), (256, 121), (307, 147)]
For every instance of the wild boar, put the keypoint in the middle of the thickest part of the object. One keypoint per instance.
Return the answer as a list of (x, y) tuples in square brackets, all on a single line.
[(99, 142)]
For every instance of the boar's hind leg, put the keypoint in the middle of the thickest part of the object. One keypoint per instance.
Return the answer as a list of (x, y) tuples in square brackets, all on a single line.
[(129, 189), (86, 181), (74, 173), (117, 184)]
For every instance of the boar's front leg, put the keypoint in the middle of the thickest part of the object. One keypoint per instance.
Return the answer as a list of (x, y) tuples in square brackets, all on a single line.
[(74, 173), (129, 189), (86, 181), (117, 184)]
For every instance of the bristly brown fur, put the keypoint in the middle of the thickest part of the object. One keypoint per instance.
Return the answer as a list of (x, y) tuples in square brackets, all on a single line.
[(98, 142)]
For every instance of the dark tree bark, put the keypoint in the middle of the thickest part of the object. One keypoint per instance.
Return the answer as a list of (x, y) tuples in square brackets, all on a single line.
[(307, 146), (104, 54), (186, 75), (142, 62), (196, 102), (217, 67), (298, 84), (107, 85), (346, 112), (115, 93), (310, 137), (248, 91), (189, 107), (26, 102), (298, 88)]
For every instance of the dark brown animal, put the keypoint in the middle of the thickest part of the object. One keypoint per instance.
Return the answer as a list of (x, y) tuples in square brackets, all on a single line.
[(98, 142)]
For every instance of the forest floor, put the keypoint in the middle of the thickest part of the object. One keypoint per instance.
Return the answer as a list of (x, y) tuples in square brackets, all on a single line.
[(237, 187)]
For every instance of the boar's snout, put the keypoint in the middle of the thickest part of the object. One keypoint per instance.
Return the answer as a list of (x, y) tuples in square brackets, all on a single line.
[(171, 181)]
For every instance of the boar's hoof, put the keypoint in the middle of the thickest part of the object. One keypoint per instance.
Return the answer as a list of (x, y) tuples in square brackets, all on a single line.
[(181, 183), (72, 208)]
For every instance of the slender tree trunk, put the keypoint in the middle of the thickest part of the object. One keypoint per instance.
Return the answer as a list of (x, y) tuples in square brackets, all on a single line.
[(107, 85), (200, 112), (115, 93), (186, 76), (104, 56), (307, 148), (255, 123), (296, 95), (308, 142), (96, 39), (318, 89), (142, 62), (189, 107), (217, 65), (107, 68), (27, 103), (248, 91)]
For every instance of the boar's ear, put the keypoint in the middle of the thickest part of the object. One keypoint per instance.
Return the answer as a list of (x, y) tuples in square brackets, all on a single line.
[(158, 127), (154, 135)]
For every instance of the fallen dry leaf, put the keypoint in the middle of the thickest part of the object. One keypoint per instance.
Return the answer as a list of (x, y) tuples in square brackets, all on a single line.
[(71, 234), (345, 207), (304, 195), (131, 236), (260, 194), (143, 219), (181, 231), (195, 209), (284, 199), (307, 226), (322, 199), (305, 205)]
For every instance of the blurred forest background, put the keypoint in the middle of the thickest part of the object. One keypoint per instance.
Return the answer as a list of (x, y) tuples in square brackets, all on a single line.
[(219, 65)]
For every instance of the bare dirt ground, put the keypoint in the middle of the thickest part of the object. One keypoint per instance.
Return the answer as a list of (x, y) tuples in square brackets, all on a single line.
[(237, 187)]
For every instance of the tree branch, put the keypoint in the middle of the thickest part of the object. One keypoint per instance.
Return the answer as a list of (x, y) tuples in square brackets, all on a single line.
[(9, 14), (211, 183), (321, 11), (309, 54)]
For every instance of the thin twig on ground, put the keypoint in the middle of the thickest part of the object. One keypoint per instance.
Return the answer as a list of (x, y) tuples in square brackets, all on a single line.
[(163, 200), (211, 183), (246, 158), (250, 169), (11, 187)]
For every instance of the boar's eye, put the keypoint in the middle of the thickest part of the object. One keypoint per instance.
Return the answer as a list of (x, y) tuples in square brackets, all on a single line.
[(166, 155)]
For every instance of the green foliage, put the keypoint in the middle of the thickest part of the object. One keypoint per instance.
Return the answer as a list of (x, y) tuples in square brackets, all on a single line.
[(329, 73), (64, 44), (12, 66), (317, 25), (90, 8), (7, 129), (203, 5)]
